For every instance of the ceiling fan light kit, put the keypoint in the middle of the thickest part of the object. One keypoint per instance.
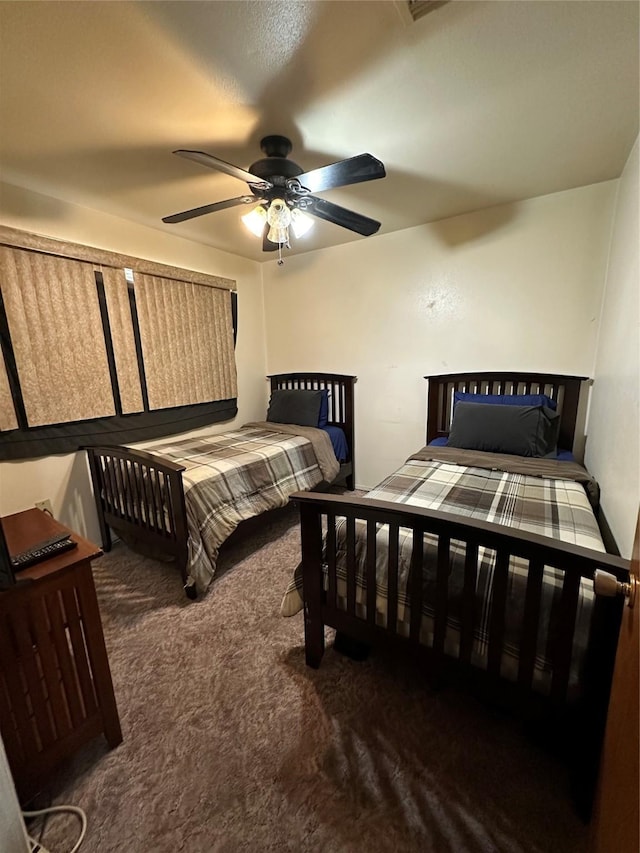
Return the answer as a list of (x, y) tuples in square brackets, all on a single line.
[(278, 219), (284, 193)]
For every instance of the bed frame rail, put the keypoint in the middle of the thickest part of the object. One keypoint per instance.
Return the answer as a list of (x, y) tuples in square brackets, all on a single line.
[(320, 512)]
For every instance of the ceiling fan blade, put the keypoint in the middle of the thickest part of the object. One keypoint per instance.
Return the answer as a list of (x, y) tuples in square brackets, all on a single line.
[(364, 167), (221, 165), (208, 208), (341, 216)]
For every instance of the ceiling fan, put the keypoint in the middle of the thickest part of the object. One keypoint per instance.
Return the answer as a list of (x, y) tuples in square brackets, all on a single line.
[(285, 193)]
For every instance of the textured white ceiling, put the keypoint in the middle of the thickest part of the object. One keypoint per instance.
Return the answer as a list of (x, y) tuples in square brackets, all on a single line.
[(476, 104)]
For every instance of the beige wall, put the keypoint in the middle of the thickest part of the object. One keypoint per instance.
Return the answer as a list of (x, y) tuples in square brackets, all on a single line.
[(64, 479), (612, 451), (511, 287)]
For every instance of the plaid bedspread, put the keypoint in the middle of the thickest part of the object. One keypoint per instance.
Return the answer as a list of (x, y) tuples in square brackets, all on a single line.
[(557, 508), (237, 475)]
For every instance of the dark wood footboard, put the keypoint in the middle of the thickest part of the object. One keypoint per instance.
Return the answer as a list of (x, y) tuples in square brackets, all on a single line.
[(322, 606), (141, 496)]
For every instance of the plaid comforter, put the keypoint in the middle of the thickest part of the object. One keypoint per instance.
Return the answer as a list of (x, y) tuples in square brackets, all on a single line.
[(558, 508), (237, 475)]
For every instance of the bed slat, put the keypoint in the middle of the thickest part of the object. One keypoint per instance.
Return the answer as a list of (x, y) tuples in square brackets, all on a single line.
[(415, 584), (497, 618), (150, 477), (562, 651), (351, 565), (442, 580), (371, 572), (392, 577), (469, 601), (111, 492), (331, 559), (311, 534), (530, 622)]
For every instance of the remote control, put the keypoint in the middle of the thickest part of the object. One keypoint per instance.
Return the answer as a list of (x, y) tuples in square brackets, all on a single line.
[(43, 551)]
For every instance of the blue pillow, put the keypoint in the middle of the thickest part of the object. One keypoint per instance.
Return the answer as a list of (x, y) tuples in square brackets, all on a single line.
[(323, 417), (505, 399)]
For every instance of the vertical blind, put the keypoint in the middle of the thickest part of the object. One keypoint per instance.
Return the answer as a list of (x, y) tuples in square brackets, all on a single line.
[(186, 332), (52, 311), (116, 292)]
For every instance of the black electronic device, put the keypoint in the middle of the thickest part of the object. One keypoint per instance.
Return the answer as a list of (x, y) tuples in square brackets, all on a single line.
[(43, 551), (7, 577)]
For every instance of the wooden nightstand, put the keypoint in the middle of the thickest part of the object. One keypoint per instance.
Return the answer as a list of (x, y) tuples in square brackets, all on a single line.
[(56, 691)]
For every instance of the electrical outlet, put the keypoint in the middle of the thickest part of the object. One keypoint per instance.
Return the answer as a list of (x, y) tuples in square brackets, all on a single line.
[(45, 506)]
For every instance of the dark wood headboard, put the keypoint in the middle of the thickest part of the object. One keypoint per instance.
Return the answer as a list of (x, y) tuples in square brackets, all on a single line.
[(340, 387), (565, 390)]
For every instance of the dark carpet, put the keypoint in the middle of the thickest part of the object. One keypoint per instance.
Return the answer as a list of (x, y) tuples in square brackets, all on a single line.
[(232, 744)]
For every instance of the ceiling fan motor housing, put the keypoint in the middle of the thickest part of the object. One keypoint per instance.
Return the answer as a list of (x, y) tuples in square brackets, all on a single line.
[(275, 167)]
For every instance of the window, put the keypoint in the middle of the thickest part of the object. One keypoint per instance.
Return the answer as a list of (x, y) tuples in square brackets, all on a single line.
[(92, 353)]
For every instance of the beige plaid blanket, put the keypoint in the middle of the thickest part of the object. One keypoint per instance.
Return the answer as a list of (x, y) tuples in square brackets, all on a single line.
[(232, 476)]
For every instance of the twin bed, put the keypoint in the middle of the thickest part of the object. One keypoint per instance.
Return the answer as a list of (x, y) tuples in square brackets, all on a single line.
[(184, 498), (478, 561)]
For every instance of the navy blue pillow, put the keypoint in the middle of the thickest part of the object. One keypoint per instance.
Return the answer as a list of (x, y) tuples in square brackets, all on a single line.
[(505, 399)]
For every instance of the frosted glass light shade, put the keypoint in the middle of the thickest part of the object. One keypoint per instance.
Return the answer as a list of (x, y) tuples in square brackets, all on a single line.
[(255, 220), (279, 219), (300, 222)]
